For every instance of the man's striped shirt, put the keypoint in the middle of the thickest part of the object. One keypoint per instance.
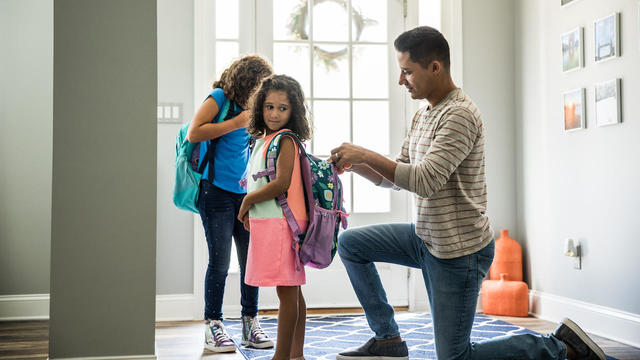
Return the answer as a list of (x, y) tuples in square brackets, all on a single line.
[(442, 163)]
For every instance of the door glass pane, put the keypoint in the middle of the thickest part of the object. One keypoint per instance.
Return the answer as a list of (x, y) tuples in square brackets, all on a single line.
[(346, 190), (369, 198), (371, 125), (290, 20), (226, 53), (330, 21), (369, 20), (370, 72), (429, 13), (226, 19), (293, 60), (331, 76), (330, 125)]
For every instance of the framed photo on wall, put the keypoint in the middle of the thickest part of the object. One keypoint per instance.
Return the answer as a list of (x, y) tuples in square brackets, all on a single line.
[(572, 54), (606, 38), (607, 102), (574, 110)]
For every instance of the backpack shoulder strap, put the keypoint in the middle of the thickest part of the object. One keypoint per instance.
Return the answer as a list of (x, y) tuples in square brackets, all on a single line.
[(273, 150)]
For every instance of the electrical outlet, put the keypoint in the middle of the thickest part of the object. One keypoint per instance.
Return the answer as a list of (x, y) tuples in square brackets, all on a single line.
[(573, 250), (577, 261)]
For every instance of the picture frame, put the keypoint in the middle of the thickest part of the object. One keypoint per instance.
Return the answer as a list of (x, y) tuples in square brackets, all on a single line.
[(606, 35), (572, 50), (607, 102), (567, 2), (573, 110)]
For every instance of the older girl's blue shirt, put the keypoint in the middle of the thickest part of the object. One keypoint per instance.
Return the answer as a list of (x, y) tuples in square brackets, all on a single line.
[(231, 153)]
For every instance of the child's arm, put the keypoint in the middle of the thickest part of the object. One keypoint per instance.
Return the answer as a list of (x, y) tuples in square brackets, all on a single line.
[(201, 127), (284, 171)]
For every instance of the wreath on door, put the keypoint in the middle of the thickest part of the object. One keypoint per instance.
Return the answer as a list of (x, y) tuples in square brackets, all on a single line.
[(298, 23)]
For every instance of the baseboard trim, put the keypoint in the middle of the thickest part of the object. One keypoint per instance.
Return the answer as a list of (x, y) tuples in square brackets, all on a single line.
[(174, 307), (24, 307), (621, 326)]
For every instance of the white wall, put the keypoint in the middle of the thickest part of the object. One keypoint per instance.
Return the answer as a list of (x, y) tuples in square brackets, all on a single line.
[(175, 85), (488, 78), (584, 184)]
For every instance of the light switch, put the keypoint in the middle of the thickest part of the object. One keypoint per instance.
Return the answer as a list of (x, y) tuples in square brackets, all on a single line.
[(175, 113), (160, 112)]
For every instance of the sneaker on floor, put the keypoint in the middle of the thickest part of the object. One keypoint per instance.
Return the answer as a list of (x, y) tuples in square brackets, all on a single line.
[(373, 350), (253, 335), (216, 338), (571, 334)]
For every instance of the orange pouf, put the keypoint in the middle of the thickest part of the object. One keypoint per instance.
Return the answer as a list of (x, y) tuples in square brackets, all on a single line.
[(507, 298), (507, 259)]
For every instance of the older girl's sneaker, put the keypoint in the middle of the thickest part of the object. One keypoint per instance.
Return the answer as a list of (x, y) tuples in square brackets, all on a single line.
[(216, 338), (253, 335), (570, 333)]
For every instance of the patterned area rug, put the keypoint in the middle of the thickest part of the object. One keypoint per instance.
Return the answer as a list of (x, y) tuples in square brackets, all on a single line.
[(328, 335)]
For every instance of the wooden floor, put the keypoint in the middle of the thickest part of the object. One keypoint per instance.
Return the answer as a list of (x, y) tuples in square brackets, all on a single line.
[(183, 340)]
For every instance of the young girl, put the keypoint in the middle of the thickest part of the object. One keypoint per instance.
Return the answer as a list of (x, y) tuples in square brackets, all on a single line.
[(278, 106), (221, 196)]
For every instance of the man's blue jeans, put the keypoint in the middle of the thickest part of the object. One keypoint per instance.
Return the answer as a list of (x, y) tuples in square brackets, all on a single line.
[(452, 286), (218, 210)]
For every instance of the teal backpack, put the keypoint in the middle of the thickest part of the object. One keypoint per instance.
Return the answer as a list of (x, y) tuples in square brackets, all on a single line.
[(189, 168)]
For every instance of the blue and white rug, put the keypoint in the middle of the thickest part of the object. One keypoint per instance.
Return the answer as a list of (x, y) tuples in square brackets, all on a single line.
[(328, 335)]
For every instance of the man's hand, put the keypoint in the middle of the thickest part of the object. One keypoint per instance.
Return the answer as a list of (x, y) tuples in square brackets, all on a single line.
[(347, 155)]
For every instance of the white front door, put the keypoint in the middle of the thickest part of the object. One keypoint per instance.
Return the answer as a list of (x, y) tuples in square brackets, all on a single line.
[(341, 51)]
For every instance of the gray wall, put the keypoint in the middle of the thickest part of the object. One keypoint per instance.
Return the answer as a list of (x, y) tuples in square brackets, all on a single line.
[(582, 184), (488, 78), (103, 229), (175, 85), (26, 109), (26, 112)]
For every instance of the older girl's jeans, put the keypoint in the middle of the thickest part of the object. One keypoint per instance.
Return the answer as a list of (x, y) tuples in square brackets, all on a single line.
[(452, 286), (218, 209)]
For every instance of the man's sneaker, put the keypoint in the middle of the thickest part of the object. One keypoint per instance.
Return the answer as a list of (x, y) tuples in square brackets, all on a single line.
[(216, 338), (571, 334), (253, 335), (373, 350)]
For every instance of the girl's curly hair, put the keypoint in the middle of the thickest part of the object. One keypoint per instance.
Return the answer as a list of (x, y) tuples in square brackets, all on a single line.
[(298, 122), (240, 80)]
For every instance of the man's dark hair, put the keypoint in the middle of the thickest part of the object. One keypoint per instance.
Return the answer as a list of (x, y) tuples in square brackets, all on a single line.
[(424, 44)]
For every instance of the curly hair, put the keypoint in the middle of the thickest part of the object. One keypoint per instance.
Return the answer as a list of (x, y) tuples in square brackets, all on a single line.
[(298, 122), (240, 80)]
